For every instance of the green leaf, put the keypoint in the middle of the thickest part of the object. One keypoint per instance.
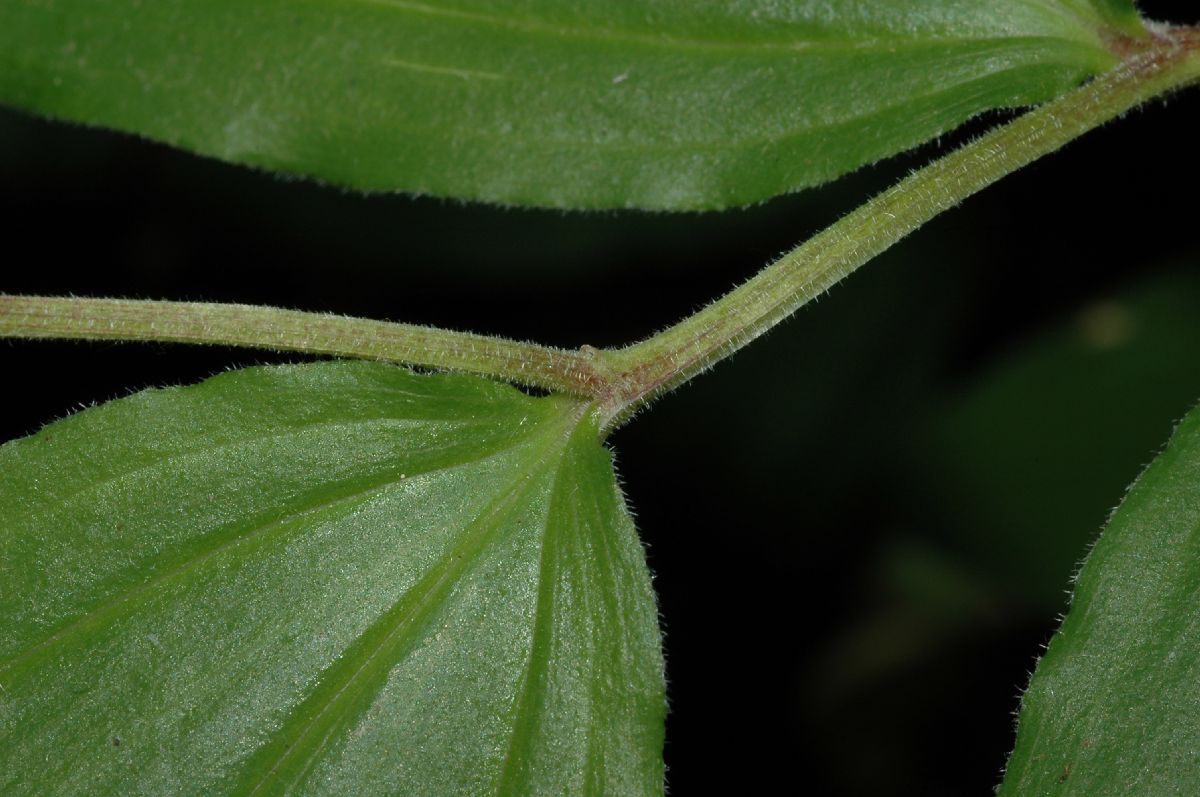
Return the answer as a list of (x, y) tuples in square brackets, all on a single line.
[(338, 578), (591, 103), (1114, 706), (1013, 465)]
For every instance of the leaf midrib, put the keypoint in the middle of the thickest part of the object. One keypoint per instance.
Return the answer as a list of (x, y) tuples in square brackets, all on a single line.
[(536, 669), (541, 640)]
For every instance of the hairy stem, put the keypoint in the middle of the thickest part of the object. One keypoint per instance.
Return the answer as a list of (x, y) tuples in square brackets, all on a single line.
[(623, 380), (651, 367), (291, 330)]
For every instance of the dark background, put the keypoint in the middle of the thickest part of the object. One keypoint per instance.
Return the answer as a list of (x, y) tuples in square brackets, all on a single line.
[(862, 527)]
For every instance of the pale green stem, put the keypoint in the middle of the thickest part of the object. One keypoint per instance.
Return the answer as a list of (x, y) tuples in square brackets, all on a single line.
[(644, 370), (290, 330), (624, 380)]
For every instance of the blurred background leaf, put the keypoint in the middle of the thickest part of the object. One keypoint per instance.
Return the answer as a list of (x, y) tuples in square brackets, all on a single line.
[(1091, 396)]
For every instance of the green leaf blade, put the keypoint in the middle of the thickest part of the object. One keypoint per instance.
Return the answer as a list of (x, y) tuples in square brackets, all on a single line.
[(673, 105), (1114, 706), (326, 579)]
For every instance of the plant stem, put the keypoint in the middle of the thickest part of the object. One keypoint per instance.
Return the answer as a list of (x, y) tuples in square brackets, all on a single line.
[(651, 367), (623, 380), (291, 330)]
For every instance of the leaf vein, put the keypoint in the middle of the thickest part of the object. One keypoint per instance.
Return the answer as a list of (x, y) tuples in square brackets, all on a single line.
[(410, 609), (113, 606)]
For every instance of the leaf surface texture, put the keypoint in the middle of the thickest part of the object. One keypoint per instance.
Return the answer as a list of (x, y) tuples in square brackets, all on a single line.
[(338, 578), (1114, 706), (671, 104)]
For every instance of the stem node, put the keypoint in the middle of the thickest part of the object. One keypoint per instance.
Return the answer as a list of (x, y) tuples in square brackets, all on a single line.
[(621, 381)]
